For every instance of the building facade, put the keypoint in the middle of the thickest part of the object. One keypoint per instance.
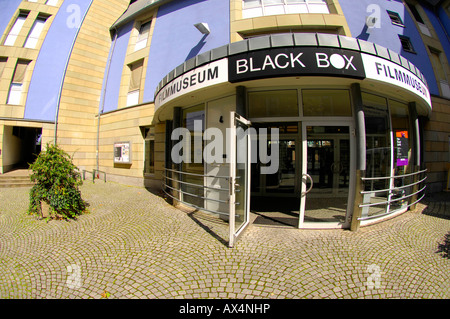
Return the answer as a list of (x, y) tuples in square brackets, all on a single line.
[(335, 112)]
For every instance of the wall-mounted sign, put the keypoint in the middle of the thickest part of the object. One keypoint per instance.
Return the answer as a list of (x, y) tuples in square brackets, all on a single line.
[(389, 72), (402, 147), (294, 61), (122, 152), (201, 77)]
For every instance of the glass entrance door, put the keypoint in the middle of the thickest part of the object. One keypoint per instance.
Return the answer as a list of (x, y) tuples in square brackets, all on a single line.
[(326, 174), (239, 177)]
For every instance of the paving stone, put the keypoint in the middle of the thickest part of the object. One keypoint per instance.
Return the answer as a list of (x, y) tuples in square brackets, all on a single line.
[(133, 244)]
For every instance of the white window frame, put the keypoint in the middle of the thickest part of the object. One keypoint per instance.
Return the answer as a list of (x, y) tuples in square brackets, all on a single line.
[(133, 98), (51, 2), (35, 32), (15, 94), (265, 8), (142, 38), (15, 30), (15, 88)]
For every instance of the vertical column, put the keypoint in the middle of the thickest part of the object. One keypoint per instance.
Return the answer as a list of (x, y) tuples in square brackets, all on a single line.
[(177, 122), (241, 98), (416, 158), (167, 156), (360, 131)]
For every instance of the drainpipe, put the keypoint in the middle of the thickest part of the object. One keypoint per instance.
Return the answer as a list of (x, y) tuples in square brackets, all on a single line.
[(102, 103)]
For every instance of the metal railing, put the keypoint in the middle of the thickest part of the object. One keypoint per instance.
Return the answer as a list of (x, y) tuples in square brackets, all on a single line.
[(168, 187), (93, 174), (395, 191)]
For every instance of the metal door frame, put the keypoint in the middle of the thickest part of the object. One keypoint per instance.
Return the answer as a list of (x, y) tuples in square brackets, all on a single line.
[(305, 176), (234, 234)]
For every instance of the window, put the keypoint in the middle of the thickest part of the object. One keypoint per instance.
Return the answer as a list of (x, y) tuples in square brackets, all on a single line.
[(406, 44), (51, 2), (415, 13), (280, 103), (395, 18), (402, 150), (378, 151), (135, 83), (257, 8), (2, 65), (321, 102), (35, 32), (423, 28), (15, 90), (437, 65), (144, 31), (15, 30), (191, 164), (439, 71), (149, 156)]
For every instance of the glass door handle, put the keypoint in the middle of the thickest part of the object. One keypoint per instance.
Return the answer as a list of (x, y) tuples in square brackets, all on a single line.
[(312, 183)]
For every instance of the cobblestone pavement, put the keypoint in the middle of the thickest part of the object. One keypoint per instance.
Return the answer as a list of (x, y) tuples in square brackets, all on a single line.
[(133, 244)]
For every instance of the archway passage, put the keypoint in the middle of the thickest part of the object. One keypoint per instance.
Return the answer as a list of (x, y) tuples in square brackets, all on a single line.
[(21, 146)]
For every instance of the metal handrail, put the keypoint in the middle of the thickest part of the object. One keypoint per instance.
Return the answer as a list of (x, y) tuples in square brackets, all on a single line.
[(197, 185), (99, 171), (393, 200), (389, 213), (390, 190), (197, 196), (195, 206), (390, 177), (194, 174), (167, 187), (398, 187)]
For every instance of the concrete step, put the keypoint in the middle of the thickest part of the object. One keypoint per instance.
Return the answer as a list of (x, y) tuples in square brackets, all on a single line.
[(12, 185), (19, 178)]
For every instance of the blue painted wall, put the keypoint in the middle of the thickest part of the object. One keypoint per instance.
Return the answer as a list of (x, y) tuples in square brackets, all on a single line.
[(7, 9), (109, 101), (387, 35), (445, 19), (176, 40), (50, 67), (440, 22)]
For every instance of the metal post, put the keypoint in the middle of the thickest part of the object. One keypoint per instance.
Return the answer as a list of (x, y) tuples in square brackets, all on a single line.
[(177, 122), (241, 97), (360, 132), (415, 165)]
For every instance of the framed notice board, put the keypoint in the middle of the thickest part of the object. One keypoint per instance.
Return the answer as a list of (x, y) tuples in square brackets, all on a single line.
[(122, 152)]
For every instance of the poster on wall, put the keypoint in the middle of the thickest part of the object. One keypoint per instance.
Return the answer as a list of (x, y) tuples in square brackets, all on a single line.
[(402, 147), (122, 153)]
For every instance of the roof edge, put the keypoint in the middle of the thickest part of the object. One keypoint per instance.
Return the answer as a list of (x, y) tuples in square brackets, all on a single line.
[(135, 9)]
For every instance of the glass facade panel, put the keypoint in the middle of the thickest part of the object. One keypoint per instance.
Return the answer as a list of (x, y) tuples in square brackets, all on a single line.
[(282, 103), (402, 153), (319, 102), (149, 159), (378, 153), (242, 160), (194, 121)]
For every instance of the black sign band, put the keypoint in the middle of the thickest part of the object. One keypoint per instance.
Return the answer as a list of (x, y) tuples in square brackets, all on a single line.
[(304, 61)]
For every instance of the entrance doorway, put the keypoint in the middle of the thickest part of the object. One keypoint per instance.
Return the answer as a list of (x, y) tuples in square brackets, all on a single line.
[(327, 172), (313, 186), (275, 197), (21, 146)]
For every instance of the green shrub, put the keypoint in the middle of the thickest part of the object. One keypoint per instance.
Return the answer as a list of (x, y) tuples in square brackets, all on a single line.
[(57, 180)]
